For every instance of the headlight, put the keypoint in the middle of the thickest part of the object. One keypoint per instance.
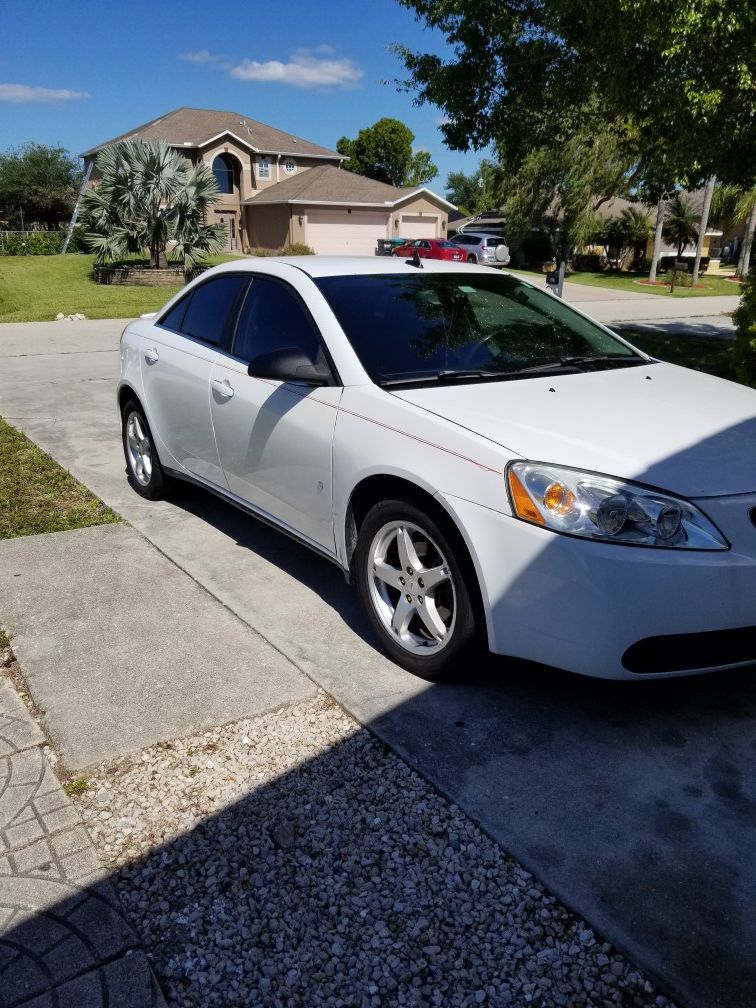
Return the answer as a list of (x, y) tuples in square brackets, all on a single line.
[(607, 509)]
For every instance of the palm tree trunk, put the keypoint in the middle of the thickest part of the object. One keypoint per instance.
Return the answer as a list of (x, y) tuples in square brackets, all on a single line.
[(657, 239), (745, 248), (708, 193)]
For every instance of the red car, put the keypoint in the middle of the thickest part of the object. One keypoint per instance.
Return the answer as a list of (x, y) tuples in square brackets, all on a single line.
[(430, 248)]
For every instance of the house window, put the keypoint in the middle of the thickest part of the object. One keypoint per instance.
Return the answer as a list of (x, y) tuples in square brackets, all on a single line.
[(223, 169), (263, 168), (290, 166)]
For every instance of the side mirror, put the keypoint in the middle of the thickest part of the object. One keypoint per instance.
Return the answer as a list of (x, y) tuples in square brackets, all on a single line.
[(289, 364)]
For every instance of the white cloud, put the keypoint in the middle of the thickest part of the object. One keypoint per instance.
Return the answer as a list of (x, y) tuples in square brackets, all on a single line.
[(201, 56), (303, 70), (25, 93)]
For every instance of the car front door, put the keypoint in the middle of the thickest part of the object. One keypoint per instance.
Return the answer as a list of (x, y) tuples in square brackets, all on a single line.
[(177, 358), (275, 438)]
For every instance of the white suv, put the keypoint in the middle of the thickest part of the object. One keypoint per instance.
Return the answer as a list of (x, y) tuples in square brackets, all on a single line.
[(484, 249)]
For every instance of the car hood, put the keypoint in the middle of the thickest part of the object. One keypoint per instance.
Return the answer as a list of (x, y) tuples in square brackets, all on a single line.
[(661, 424)]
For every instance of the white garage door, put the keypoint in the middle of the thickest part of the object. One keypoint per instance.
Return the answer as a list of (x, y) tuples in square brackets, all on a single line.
[(418, 227), (337, 232)]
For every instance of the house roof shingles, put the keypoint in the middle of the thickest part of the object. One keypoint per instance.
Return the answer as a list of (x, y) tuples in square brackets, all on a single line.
[(329, 184), (192, 127)]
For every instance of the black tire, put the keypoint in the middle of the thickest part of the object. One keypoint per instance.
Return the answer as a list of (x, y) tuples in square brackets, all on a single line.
[(446, 604), (472, 259), (145, 474)]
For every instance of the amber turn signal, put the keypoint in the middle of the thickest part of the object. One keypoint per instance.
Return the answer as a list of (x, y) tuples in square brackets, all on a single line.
[(522, 502)]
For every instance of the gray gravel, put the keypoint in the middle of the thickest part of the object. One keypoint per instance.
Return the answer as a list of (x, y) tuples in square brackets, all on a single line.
[(290, 860)]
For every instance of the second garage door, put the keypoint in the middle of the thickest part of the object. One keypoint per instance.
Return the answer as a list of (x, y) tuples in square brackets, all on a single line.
[(418, 227), (338, 232)]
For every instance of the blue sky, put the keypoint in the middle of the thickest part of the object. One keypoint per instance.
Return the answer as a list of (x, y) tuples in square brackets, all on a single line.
[(76, 73)]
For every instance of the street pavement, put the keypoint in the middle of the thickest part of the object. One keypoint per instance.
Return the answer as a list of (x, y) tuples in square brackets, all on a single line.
[(633, 803)]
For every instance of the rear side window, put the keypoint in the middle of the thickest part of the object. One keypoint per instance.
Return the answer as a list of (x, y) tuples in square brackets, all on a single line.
[(493, 242), (213, 308), (175, 316)]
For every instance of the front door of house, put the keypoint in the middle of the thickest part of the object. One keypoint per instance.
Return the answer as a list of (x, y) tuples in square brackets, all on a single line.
[(232, 238)]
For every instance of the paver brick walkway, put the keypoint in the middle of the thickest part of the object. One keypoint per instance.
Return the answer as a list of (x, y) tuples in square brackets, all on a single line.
[(64, 939)]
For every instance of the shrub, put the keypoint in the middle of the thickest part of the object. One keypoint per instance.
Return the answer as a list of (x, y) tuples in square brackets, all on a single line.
[(589, 262), (681, 278), (77, 242), (295, 249), (32, 243), (744, 317)]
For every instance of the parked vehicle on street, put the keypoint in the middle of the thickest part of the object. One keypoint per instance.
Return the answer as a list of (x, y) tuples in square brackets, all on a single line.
[(430, 248), (483, 249), (486, 464)]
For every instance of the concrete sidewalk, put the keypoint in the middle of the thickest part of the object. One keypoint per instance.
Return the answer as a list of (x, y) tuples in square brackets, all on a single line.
[(64, 939)]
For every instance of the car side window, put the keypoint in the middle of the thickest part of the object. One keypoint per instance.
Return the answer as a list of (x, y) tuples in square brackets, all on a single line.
[(212, 309), (274, 317), (172, 320)]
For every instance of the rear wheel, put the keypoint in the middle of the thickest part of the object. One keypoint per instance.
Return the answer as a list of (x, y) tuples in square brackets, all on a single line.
[(145, 473), (471, 259), (412, 587)]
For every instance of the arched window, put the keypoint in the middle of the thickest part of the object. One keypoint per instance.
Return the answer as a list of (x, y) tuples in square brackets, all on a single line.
[(223, 169)]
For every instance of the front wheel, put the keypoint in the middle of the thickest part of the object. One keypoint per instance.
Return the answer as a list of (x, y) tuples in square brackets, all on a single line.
[(412, 588)]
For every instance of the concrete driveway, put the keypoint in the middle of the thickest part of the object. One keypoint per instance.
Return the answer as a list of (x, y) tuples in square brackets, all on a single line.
[(634, 803)]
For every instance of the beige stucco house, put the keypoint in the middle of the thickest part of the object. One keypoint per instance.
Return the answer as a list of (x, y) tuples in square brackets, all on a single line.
[(277, 188)]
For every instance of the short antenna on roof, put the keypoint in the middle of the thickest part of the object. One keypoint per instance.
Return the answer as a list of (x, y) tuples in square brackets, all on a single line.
[(415, 261)]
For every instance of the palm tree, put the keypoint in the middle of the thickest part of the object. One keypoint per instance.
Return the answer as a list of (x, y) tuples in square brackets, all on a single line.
[(148, 195), (680, 226), (746, 211), (638, 229)]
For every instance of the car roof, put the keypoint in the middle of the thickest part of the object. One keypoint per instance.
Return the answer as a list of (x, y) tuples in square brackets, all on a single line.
[(478, 234), (326, 266)]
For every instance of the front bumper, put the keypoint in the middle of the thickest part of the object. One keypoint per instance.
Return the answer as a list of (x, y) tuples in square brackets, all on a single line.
[(585, 606)]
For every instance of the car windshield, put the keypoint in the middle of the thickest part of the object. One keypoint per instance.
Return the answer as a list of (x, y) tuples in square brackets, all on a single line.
[(441, 326)]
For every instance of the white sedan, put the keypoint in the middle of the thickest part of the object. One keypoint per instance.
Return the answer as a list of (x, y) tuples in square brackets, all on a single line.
[(488, 465)]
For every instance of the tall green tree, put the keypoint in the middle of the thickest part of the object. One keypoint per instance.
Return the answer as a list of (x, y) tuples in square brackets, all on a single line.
[(38, 185), (562, 181), (681, 74), (473, 193), (384, 152), (148, 195)]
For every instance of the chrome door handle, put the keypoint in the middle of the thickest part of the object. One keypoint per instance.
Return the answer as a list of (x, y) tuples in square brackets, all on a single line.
[(151, 356), (223, 388)]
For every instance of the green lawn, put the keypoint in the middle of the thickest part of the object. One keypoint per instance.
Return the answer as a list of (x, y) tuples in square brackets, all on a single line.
[(703, 353), (37, 495), (36, 288), (713, 283)]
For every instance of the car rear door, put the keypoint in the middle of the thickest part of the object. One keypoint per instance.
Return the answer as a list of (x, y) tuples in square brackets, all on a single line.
[(177, 358)]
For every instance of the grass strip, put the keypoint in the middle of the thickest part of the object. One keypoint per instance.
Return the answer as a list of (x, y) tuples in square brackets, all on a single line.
[(37, 495), (711, 284)]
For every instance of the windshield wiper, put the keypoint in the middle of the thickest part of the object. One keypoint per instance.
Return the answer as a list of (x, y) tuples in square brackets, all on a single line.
[(572, 365), (436, 377)]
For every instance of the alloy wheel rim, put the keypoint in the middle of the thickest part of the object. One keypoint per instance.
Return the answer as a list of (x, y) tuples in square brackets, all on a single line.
[(411, 588), (139, 449)]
